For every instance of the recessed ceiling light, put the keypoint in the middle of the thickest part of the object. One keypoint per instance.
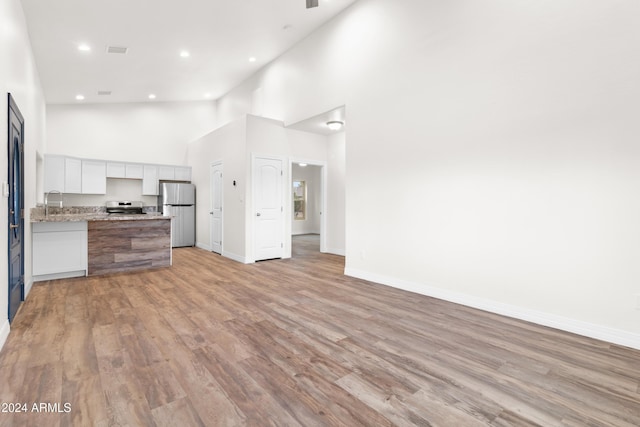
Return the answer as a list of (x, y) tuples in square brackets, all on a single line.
[(335, 125), (184, 54), (80, 97), (302, 165), (152, 96), (252, 59), (207, 95), (84, 48)]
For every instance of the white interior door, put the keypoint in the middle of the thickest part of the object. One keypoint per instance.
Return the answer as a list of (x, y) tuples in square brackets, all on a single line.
[(216, 208), (268, 208)]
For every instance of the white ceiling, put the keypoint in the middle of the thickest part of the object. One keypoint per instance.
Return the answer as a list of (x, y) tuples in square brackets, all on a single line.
[(220, 35)]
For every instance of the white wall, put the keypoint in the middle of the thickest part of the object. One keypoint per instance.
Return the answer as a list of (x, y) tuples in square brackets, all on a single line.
[(492, 152), (226, 144), (235, 144), (307, 146), (312, 177), (266, 137), (335, 210), (149, 132), (19, 76)]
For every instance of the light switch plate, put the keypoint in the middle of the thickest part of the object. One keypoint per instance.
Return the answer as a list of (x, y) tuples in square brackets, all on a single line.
[(5, 189)]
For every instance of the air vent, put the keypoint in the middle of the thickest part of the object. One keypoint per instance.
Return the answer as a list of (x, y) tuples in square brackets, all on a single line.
[(104, 92), (117, 49)]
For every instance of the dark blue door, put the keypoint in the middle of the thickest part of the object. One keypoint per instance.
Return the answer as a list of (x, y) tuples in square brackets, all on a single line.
[(16, 208)]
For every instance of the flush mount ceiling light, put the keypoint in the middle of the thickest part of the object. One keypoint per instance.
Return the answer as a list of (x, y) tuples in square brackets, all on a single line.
[(152, 96), (80, 97), (84, 48), (117, 49), (302, 165), (207, 95), (184, 54), (252, 59), (335, 125)]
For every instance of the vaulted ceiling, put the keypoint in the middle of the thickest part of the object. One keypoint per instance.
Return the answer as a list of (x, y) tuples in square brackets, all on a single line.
[(176, 50)]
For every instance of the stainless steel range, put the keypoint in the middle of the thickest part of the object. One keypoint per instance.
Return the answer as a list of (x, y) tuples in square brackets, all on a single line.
[(125, 208)]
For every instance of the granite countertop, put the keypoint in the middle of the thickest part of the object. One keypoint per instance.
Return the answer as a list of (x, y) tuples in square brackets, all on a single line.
[(94, 217), (88, 214)]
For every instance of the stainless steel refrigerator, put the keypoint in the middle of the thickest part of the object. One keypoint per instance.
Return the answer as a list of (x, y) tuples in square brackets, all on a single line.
[(178, 201)]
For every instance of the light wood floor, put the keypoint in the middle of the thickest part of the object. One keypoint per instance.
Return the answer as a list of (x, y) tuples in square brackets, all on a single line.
[(293, 342)]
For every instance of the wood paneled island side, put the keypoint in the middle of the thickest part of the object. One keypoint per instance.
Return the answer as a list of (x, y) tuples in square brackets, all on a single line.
[(120, 246)]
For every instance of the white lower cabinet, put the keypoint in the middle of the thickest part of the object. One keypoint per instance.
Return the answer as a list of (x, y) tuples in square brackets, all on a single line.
[(59, 250)]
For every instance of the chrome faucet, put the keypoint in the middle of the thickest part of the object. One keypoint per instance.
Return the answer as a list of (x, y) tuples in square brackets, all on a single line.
[(46, 201)]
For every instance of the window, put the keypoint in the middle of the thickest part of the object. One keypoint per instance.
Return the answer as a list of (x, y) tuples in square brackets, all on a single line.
[(299, 200)]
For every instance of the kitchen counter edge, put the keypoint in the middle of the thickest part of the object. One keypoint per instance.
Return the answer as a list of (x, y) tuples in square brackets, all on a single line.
[(96, 217)]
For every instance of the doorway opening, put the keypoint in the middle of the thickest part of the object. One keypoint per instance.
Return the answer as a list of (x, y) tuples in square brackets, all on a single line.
[(308, 204), (303, 245), (333, 165)]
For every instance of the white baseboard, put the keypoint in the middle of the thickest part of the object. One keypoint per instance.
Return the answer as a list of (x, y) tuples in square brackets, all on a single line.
[(56, 276), (27, 287), (226, 254), (333, 251), (4, 332), (591, 330), (235, 257), (203, 246)]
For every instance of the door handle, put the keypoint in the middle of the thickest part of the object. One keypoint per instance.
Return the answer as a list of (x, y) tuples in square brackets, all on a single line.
[(258, 214), (12, 226)]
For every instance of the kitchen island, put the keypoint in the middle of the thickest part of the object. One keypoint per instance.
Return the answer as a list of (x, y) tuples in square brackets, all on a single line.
[(112, 244), (128, 245)]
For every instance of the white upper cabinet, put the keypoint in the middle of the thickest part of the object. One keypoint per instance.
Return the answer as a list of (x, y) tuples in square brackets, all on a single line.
[(116, 170), (124, 170), (94, 177), (53, 173), (166, 173), (182, 173), (72, 175), (150, 181), (133, 171), (88, 176)]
